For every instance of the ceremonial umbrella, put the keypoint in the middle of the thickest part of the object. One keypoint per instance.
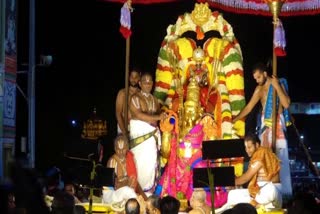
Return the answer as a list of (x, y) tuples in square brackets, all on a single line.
[(125, 30), (274, 8), (259, 7)]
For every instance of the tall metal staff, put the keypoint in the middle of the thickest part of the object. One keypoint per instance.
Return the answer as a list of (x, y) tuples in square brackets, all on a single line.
[(275, 8), (125, 30)]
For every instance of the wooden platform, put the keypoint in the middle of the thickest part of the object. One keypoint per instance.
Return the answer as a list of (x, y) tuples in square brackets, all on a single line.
[(98, 208), (271, 211)]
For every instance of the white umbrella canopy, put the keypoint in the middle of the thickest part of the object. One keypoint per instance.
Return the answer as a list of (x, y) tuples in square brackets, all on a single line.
[(143, 1), (260, 7)]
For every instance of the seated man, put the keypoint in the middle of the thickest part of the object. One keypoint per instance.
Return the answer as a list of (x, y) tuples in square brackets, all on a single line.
[(242, 208), (198, 202), (262, 175), (126, 185), (153, 204), (169, 205), (132, 206), (70, 188)]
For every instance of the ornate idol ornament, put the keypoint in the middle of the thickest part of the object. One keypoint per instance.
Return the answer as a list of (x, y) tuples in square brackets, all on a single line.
[(192, 107), (198, 55), (201, 14)]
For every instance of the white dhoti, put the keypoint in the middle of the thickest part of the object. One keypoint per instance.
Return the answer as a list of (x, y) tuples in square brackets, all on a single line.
[(145, 153), (269, 196), (118, 129), (110, 195), (282, 153)]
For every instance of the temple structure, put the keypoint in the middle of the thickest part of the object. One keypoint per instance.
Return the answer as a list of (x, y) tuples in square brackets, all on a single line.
[(94, 127)]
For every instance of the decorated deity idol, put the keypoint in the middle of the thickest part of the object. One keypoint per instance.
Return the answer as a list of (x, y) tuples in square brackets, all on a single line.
[(216, 65), (201, 87)]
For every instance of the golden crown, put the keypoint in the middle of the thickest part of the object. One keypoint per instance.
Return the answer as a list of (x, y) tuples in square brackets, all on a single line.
[(201, 13)]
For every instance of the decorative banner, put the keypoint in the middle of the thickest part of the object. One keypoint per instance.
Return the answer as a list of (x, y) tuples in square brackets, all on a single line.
[(10, 29), (1, 100), (9, 103), (259, 7), (1, 80), (9, 112), (9, 75), (10, 67), (10, 40)]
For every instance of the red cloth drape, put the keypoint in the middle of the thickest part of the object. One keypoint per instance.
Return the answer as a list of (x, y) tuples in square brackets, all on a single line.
[(131, 167)]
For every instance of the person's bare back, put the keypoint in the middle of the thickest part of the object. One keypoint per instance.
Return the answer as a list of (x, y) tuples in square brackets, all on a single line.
[(262, 174)]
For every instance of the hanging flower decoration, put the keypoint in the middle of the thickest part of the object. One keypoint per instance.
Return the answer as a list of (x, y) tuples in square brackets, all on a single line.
[(279, 40), (125, 19)]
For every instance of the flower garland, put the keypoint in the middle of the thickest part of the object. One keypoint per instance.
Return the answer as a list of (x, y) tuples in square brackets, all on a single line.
[(180, 50)]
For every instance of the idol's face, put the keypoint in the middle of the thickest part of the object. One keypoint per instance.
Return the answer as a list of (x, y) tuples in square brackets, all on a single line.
[(260, 77), (190, 113)]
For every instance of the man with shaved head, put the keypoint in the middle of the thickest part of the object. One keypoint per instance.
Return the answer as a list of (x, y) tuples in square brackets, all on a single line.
[(132, 206), (125, 185), (198, 202)]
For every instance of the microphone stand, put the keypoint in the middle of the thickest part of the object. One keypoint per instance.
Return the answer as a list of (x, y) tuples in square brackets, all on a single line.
[(92, 176)]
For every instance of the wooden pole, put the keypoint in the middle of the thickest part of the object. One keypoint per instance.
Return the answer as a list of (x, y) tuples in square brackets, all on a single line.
[(274, 95), (126, 103), (275, 8)]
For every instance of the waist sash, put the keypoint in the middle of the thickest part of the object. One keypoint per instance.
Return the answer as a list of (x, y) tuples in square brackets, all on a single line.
[(136, 141)]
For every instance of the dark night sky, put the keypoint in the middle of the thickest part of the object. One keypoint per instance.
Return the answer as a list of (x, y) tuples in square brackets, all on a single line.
[(89, 61)]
